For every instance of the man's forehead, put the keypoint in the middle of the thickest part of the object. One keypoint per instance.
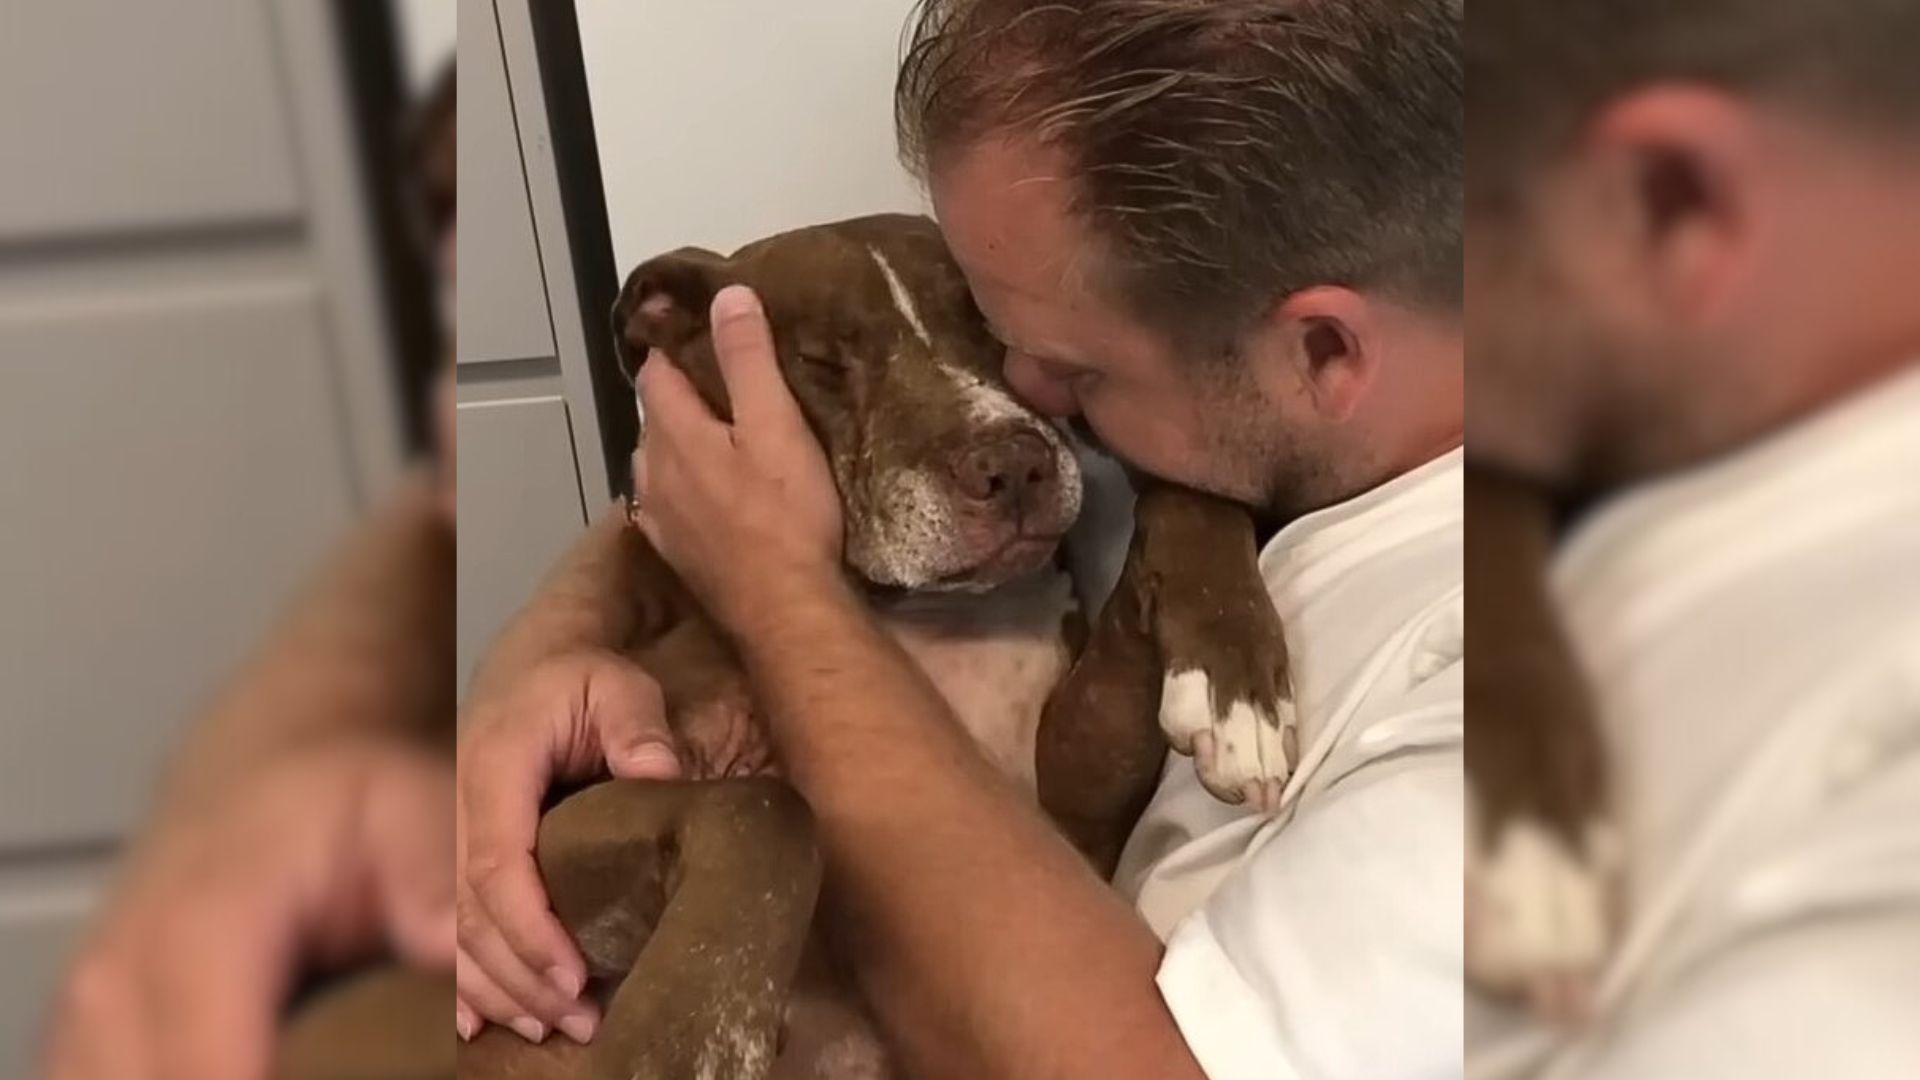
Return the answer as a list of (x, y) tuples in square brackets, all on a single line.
[(1003, 207)]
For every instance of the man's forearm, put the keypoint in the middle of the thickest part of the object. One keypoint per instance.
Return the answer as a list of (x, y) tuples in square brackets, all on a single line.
[(988, 945), (363, 650)]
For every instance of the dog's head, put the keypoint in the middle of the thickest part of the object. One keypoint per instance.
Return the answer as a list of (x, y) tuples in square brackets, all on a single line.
[(947, 481)]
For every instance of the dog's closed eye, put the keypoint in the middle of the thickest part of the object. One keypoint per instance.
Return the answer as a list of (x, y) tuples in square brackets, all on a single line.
[(823, 360)]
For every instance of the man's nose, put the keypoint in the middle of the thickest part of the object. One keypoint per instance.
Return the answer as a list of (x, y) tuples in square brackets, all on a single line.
[(1045, 394)]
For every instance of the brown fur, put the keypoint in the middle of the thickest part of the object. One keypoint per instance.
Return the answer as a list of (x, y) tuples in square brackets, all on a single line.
[(1533, 749)]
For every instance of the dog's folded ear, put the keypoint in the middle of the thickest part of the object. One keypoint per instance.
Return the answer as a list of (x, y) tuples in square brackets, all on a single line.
[(664, 304)]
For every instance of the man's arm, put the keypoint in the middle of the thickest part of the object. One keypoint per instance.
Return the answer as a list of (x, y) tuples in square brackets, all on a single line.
[(986, 943)]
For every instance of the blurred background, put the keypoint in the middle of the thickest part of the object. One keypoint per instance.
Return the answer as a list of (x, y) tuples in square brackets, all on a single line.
[(216, 344)]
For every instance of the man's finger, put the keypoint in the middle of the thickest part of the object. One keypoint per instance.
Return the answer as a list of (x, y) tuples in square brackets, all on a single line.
[(481, 995), (743, 343), (500, 795), (516, 905), (627, 713), (674, 413), (537, 1007), (220, 972), (99, 1030)]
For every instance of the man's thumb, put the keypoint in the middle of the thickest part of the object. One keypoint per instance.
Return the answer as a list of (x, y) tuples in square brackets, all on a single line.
[(644, 758), (631, 719)]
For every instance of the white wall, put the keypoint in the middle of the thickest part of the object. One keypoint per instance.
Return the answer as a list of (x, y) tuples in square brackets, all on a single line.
[(427, 36), (721, 121)]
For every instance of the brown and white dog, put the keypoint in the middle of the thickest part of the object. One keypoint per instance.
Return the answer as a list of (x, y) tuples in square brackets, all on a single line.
[(693, 901)]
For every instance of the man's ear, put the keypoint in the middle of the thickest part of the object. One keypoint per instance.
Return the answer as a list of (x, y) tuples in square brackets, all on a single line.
[(1674, 164), (1326, 331), (663, 306)]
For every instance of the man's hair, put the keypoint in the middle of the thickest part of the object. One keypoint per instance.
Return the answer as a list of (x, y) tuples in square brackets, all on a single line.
[(1537, 71), (1226, 153)]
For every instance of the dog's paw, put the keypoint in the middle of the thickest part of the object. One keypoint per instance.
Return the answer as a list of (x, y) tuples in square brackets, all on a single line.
[(1244, 745), (1539, 917)]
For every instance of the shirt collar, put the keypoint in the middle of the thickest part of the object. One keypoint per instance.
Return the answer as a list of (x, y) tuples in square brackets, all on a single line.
[(1324, 543)]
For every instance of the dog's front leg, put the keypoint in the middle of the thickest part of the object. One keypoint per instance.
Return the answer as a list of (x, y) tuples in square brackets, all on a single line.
[(699, 897), (1188, 648), (1539, 854), (1226, 696), (1099, 750)]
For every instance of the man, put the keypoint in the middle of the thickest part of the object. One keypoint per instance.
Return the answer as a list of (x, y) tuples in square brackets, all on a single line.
[(1225, 235), (1696, 232), (306, 822)]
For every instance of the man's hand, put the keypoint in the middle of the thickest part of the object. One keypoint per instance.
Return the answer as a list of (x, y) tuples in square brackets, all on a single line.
[(325, 857), (739, 510), (569, 719)]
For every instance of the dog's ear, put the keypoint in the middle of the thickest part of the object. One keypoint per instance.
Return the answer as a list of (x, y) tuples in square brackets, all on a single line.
[(663, 305)]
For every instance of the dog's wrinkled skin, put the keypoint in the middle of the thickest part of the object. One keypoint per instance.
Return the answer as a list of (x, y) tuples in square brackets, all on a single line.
[(693, 901)]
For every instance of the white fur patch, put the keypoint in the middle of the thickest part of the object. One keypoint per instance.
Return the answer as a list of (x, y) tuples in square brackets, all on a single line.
[(853, 1057), (1243, 756), (1537, 915), (912, 531), (901, 299), (996, 659), (1186, 707), (736, 1049)]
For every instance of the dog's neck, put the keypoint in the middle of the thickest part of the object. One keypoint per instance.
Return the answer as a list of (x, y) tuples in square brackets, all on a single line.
[(974, 608), (995, 656)]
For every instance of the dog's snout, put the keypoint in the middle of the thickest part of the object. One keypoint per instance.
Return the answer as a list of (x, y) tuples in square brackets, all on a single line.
[(1008, 470)]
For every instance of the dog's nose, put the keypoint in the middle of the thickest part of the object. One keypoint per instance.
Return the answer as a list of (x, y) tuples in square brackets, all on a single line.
[(1007, 470)]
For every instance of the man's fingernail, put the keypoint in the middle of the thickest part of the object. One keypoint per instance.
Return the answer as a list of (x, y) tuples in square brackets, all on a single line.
[(578, 1027), (565, 981), (733, 301), (529, 1029), (655, 760)]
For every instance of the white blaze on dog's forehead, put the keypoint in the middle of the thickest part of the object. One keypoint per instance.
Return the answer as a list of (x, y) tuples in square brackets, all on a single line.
[(901, 299)]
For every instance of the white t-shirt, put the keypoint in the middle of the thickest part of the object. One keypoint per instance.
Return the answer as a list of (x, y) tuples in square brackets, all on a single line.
[(1325, 941), (1752, 628)]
